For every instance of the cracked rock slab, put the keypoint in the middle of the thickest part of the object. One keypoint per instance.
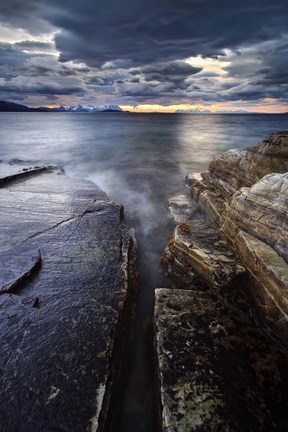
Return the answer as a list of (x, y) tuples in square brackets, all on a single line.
[(64, 324), (216, 370), (42, 202), (18, 263)]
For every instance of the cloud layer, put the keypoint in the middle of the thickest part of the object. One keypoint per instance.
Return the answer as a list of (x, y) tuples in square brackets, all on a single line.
[(132, 52)]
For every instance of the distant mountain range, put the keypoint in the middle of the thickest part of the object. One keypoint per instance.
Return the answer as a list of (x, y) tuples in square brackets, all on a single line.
[(14, 107), (6, 106), (197, 111)]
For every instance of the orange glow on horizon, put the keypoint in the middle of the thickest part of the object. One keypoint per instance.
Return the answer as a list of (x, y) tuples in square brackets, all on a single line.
[(267, 106), (146, 108)]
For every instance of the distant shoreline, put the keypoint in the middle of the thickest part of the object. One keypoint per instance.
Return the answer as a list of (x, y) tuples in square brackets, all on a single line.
[(6, 106)]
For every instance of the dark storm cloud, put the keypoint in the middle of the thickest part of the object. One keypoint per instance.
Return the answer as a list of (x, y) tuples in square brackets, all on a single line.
[(29, 45), (137, 90), (25, 73), (12, 56), (156, 85), (167, 71), (25, 15), (17, 8), (43, 86), (149, 31), (263, 68), (50, 67), (229, 92), (135, 48), (95, 80), (20, 59), (253, 92), (157, 79), (275, 65), (145, 33)]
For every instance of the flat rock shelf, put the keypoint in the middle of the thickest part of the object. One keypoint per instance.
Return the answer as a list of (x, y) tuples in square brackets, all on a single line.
[(67, 296)]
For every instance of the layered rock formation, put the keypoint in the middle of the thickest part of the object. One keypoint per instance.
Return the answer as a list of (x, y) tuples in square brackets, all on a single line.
[(67, 290), (217, 368)]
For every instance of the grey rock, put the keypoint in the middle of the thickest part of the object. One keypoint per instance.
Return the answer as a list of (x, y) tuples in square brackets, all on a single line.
[(14, 172), (208, 201), (261, 211), (236, 169), (269, 271), (216, 370), (181, 207), (202, 250), (65, 326), (14, 272)]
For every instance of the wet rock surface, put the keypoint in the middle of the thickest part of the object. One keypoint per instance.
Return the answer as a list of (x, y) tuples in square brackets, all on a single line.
[(222, 342), (217, 371), (10, 172), (66, 303)]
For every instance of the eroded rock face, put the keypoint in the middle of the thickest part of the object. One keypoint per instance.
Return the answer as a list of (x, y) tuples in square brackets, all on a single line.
[(236, 169), (266, 267), (197, 245), (258, 209), (231, 258), (65, 305), (261, 211)]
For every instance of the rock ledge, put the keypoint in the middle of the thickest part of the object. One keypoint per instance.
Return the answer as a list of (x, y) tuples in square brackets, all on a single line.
[(221, 333)]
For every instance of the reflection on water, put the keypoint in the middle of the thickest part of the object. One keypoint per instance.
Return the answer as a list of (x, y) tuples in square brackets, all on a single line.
[(141, 161)]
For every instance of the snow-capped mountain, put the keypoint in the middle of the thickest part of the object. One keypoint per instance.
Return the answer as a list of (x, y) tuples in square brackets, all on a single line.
[(11, 106), (94, 108)]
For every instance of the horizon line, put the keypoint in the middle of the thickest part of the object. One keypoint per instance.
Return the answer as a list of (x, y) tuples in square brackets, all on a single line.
[(159, 109)]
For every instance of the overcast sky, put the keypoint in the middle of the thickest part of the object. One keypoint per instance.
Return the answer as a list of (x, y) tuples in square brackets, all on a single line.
[(159, 55)]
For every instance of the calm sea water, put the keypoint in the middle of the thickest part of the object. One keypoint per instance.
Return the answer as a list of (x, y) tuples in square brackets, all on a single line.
[(140, 160)]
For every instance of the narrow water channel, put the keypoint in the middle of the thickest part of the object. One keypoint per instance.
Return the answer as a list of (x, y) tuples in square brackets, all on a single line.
[(140, 161), (139, 398)]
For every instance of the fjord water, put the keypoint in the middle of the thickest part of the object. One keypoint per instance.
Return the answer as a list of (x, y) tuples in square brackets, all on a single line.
[(140, 160)]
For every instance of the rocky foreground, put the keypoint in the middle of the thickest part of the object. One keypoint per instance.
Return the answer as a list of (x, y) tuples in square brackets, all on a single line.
[(67, 287), (221, 334)]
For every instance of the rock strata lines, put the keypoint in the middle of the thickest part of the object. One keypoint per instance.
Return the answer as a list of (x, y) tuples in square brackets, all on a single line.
[(220, 343)]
